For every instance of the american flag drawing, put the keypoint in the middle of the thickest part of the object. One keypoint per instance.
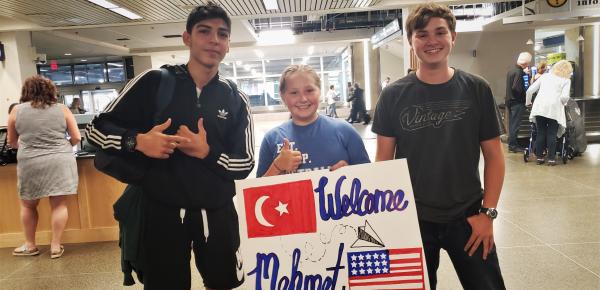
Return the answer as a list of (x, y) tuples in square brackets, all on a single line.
[(386, 269)]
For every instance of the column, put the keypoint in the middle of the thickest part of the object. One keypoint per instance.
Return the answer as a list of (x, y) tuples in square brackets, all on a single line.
[(141, 63), (18, 65), (366, 71)]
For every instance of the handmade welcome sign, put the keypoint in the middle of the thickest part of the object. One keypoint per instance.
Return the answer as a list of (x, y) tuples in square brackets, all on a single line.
[(353, 228)]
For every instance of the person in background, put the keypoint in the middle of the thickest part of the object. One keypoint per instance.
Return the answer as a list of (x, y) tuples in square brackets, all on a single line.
[(455, 213), (76, 106), (291, 146), (541, 69), (332, 97), (7, 153), (11, 107), (385, 82), (46, 166), (349, 92), (358, 112), (204, 143), (516, 85), (548, 110)]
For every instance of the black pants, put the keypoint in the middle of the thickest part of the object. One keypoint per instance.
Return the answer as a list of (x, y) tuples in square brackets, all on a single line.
[(514, 122), (546, 136), (473, 272), (168, 243)]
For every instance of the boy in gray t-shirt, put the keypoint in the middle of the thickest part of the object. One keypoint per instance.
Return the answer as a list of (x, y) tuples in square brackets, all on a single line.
[(439, 118)]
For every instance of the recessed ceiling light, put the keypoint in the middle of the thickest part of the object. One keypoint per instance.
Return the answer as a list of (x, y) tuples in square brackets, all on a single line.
[(84, 60), (67, 54), (271, 4), (104, 3), (125, 13), (116, 9), (275, 37)]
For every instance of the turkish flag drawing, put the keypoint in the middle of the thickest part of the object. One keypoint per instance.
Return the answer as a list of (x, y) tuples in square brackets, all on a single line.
[(280, 209)]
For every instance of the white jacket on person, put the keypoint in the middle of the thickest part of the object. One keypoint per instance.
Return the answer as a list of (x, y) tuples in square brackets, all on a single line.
[(331, 94), (553, 95)]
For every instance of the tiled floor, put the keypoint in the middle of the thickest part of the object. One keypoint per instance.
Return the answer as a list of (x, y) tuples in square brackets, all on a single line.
[(547, 233)]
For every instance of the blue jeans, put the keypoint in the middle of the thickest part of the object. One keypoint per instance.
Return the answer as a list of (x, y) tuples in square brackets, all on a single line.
[(546, 136), (514, 122), (473, 272), (331, 111)]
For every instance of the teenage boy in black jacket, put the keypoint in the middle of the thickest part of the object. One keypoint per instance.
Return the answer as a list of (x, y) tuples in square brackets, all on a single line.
[(440, 119), (204, 143)]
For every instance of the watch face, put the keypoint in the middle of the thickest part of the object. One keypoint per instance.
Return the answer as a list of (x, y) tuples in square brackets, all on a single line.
[(131, 144), (492, 213)]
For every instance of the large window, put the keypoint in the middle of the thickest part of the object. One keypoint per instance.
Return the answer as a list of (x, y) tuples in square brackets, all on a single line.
[(255, 89), (60, 76), (272, 91), (259, 79), (84, 73), (332, 63), (276, 66), (249, 69), (80, 74), (314, 62), (226, 70), (116, 72), (96, 73)]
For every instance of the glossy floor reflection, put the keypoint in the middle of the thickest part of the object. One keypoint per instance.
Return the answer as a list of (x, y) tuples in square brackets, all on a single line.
[(547, 232)]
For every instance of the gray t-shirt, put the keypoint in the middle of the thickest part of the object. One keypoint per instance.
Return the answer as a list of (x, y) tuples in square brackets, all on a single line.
[(438, 128)]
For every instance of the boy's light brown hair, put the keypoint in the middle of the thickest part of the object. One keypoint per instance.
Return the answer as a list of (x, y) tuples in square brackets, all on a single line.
[(422, 13)]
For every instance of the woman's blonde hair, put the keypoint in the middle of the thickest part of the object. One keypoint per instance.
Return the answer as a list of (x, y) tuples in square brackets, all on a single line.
[(294, 69), (562, 69)]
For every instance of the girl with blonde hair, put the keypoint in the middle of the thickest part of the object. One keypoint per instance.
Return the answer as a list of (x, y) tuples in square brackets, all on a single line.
[(548, 112), (308, 141)]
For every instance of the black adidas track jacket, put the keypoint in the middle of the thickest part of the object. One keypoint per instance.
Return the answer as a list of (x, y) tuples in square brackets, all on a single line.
[(181, 180)]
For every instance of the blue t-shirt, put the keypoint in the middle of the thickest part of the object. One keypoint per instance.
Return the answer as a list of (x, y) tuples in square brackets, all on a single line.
[(322, 143)]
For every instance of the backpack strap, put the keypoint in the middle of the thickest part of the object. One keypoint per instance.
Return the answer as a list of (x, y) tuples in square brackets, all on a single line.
[(234, 89), (164, 93)]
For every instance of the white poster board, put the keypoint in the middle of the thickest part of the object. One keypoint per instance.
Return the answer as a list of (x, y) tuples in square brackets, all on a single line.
[(353, 228)]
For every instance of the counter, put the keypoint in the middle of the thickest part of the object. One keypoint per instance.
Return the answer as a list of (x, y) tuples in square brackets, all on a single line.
[(90, 211)]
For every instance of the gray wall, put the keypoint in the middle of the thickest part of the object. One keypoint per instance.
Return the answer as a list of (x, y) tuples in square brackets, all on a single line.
[(496, 52), (391, 65)]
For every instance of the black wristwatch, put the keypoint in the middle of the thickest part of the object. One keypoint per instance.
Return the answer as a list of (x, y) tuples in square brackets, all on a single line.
[(491, 212), (130, 143)]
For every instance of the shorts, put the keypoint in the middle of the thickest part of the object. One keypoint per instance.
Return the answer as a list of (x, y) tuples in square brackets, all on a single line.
[(168, 242)]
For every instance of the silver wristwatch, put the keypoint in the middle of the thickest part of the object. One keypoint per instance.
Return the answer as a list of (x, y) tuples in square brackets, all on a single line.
[(491, 212)]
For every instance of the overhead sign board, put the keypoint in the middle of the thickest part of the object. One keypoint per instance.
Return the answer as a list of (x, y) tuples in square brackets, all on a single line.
[(391, 31)]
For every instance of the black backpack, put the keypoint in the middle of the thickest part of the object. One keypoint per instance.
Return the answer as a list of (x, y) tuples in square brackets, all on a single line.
[(131, 168)]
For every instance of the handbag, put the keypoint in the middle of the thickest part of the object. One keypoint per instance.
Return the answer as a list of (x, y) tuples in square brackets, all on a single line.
[(7, 155), (128, 167)]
